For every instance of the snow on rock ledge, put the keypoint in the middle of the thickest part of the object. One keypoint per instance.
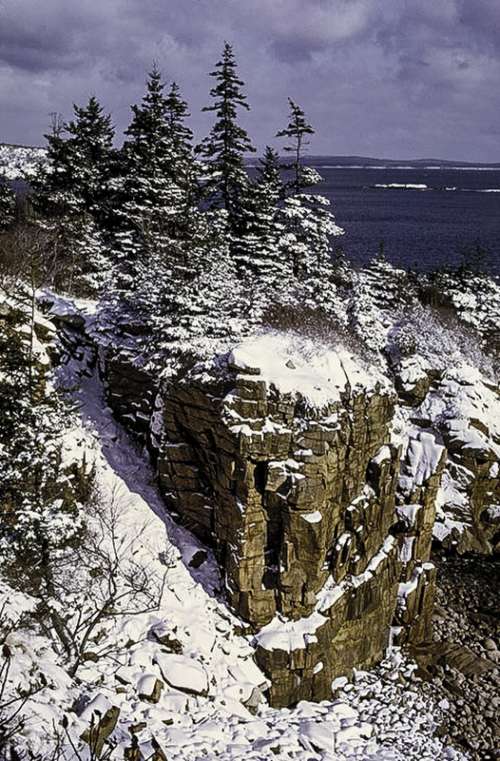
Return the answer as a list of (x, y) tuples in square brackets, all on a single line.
[(297, 366), (278, 454)]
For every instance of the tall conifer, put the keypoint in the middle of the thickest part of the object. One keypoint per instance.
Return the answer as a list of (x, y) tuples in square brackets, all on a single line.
[(227, 142)]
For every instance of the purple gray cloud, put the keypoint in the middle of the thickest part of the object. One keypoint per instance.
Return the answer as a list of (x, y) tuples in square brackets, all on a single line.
[(376, 77)]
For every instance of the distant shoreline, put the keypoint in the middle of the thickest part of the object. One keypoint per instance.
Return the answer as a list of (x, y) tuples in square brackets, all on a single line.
[(352, 162)]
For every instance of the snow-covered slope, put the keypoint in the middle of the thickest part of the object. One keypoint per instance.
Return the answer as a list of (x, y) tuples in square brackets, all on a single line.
[(18, 161)]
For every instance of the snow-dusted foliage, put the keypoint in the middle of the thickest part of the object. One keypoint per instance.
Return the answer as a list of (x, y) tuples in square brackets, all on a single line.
[(224, 148), (71, 198), (7, 205), (40, 494)]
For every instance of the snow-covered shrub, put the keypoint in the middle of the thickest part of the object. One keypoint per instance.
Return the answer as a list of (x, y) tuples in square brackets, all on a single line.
[(473, 296), (439, 339), (316, 325)]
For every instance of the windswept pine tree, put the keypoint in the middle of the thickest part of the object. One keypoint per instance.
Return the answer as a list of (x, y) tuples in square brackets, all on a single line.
[(308, 223), (228, 142), (297, 132)]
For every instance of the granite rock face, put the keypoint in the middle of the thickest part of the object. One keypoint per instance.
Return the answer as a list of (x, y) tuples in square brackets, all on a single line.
[(131, 390), (299, 502), (289, 472), (422, 468), (464, 409)]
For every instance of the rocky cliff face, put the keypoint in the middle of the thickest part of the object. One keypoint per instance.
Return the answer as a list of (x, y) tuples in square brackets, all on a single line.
[(296, 490), (286, 464)]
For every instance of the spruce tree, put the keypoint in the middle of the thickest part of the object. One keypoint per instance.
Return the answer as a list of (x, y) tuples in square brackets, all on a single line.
[(52, 195), (39, 512), (146, 190), (269, 170), (78, 170), (227, 142), (184, 169), (161, 229), (71, 196), (256, 246), (90, 156)]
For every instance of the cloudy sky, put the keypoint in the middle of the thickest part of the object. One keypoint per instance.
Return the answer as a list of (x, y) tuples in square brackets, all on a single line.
[(389, 78)]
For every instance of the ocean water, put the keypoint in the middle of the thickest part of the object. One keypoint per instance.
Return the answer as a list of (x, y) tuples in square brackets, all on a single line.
[(459, 210)]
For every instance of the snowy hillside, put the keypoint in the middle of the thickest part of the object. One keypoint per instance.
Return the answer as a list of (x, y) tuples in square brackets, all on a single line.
[(17, 161), (179, 678)]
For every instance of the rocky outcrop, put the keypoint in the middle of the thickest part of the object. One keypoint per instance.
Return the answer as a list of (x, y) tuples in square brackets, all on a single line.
[(282, 461), (422, 468), (297, 496), (464, 408), (131, 390)]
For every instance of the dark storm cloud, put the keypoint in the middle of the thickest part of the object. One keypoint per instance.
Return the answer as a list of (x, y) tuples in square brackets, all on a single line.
[(377, 77)]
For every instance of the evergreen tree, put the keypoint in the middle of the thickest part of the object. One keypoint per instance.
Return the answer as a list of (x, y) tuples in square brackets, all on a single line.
[(72, 194), (52, 195), (7, 205), (269, 171), (151, 202), (297, 132), (39, 509), (227, 142), (77, 174), (308, 223), (90, 156), (256, 249), (184, 169)]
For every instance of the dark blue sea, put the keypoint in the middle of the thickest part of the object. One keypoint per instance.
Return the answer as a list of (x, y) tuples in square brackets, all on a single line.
[(438, 226)]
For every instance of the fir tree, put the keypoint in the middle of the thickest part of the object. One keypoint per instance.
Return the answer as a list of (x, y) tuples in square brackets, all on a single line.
[(257, 245), (77, 174), (90, 156), (227, 142), (39, 511), (269, 171), (184, 169), (160, 224), (149, 198), (52, 195), (71, 197)]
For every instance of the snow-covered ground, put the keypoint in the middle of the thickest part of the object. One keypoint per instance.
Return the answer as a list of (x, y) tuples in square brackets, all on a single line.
[(17, 161), (209, 704)]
